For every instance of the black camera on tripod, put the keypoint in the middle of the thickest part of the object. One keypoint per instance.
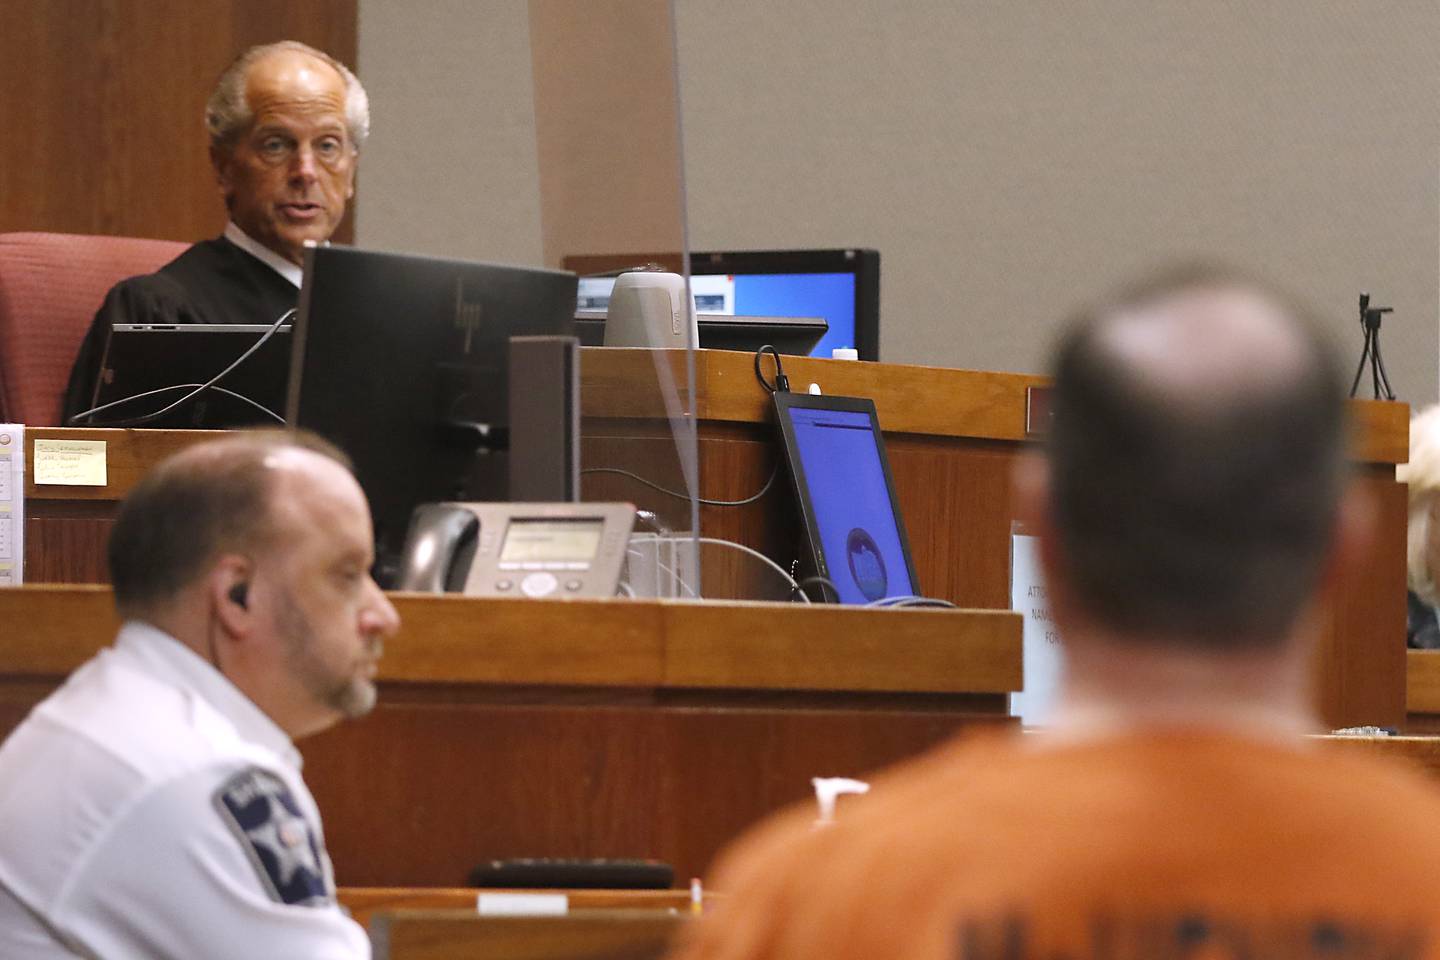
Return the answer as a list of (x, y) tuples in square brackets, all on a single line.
[(1370, 323)]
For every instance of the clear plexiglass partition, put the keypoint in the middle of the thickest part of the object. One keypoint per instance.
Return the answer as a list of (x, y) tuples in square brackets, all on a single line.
[(548, 134)]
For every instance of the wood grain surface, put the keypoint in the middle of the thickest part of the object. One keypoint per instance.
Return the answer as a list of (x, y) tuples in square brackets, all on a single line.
[(1422, 690), (583, 935), (452, 639), (362, 902), (616, 728), (104, 102), (953, 488)]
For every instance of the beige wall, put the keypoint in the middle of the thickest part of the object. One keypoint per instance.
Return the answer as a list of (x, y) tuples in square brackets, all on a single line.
[(1006, 159), (608, 126), (450, 168)]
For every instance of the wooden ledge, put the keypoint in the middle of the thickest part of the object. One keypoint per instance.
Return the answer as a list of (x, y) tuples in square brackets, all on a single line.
[(464, 935), (1422, 681), (623, 384), (362, 902), (607, 643)]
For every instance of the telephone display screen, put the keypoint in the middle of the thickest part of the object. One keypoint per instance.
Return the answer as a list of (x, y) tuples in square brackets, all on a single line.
[(551, 540)]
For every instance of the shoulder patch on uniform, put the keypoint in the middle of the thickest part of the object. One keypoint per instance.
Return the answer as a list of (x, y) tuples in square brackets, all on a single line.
[(260, 810)]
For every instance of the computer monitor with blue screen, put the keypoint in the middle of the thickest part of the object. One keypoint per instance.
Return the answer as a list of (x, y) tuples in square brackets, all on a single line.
[(842, 286), (855, 535)]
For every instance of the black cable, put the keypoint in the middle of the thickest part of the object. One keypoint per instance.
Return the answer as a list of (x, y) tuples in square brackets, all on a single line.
[(923, 602), (827, 586), (150, 417), (782, 382), (682, 496), (1364, 355), (912, 601), (1382, 378), (173, 387)]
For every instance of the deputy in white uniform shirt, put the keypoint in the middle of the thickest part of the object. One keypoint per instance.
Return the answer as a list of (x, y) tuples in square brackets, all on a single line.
[(153, 806)]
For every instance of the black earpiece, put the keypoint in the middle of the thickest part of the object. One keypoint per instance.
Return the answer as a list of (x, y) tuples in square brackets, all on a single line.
[(240, 594)]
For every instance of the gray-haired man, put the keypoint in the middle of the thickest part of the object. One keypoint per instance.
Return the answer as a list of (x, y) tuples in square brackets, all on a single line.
[(286, 123)]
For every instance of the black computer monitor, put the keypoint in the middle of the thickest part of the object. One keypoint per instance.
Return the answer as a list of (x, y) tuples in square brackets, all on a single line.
[(402, 361), (855, 535), (840, 286)]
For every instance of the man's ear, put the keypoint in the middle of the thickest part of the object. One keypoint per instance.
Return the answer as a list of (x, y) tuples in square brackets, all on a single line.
[(228, 588), (220, 163)]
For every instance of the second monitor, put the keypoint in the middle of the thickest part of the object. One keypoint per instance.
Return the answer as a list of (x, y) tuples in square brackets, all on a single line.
[(402, 360)]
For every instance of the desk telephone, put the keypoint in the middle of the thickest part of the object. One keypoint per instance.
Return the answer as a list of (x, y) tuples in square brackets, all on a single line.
[(517, 549)]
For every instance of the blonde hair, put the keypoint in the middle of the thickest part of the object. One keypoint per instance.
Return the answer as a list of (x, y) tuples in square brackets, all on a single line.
[(1422, 475)]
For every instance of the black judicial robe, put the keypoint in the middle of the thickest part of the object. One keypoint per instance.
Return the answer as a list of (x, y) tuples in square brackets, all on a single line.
[(212, 282)]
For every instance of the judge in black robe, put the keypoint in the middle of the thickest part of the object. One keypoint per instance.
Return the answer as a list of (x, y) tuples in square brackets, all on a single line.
[(213, 282)]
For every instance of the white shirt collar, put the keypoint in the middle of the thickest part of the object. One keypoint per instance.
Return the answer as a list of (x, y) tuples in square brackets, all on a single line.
[(164, 656), (264, 254)]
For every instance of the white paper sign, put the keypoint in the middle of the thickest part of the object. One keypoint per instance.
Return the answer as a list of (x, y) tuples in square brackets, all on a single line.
[(1044, 657), (523, 904), (12, 504)]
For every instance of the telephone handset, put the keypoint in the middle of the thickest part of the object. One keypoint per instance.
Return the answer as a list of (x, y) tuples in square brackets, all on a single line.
[(517, 549), (438, 548)]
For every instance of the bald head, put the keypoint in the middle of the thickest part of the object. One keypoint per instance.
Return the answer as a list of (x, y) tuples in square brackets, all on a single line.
[(216, 497), (1206, 346), (1197, 458), (230, 109)]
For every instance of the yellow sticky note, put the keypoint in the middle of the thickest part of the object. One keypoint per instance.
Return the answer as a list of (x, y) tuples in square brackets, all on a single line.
[(71, 463)]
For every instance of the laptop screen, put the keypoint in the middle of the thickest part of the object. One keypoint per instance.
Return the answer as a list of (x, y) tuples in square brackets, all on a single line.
[(148, 368), (842, 479)]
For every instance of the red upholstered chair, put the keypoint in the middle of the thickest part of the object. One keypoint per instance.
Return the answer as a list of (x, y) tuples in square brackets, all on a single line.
[(50, 287)]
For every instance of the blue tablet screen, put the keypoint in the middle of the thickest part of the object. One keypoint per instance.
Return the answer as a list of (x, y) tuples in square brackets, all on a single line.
[(859, 534)]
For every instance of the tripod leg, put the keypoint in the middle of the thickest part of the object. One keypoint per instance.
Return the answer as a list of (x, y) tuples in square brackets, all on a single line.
[(1364, 355), (1382, 377)]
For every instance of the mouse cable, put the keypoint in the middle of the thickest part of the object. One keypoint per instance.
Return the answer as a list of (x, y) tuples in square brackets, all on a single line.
[(794, 587), (912, 601), (666, 569), (731, 544), (827, 587), (170, 389), (681, 496)]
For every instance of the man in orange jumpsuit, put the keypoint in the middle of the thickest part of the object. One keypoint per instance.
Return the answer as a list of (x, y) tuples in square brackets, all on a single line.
[(1193, 507)]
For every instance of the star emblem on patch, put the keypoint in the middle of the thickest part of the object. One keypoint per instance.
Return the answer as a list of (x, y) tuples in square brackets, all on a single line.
[(262, 813)]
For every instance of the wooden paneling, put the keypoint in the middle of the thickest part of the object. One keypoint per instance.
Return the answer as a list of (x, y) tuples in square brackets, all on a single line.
[(512, 728), (1422, 694), (671, 645), (462, 935), (1422, 691), (953, 436), (419, 794), (129, 454), (103, 103), (1362, 650), (362, 902)]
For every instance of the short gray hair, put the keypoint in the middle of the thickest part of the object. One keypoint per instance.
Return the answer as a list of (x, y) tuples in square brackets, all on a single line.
[(227, 112), (206, 500)]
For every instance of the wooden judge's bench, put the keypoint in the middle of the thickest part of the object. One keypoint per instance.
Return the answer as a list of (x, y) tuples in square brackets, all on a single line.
[(624, 728)]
